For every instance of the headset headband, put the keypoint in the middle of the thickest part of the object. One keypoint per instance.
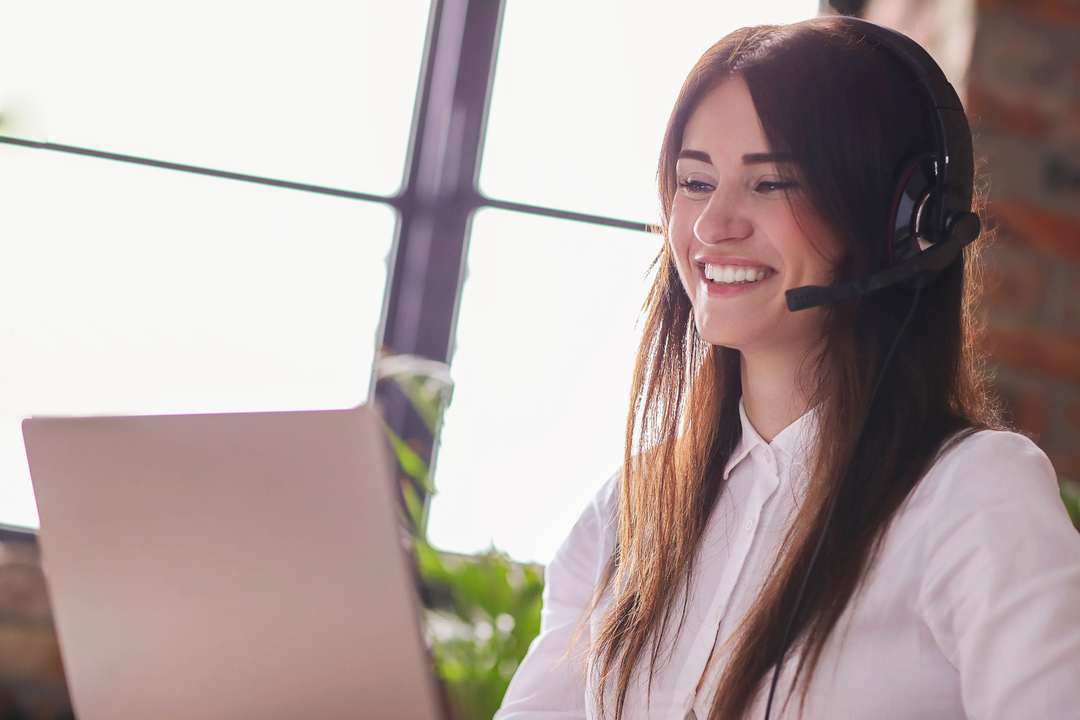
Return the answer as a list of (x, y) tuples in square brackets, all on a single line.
[(952, 134)]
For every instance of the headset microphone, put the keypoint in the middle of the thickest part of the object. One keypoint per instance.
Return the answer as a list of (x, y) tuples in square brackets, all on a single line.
[(963, 231)]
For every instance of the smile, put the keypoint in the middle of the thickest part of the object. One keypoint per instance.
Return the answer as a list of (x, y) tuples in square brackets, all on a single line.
[(736, 274)]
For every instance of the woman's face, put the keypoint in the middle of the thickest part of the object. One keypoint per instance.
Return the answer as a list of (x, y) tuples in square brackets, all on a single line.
[(741, 235)]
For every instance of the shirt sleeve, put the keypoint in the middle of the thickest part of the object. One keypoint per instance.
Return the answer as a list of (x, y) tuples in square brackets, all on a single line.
[(550, 682), (1001, 591)]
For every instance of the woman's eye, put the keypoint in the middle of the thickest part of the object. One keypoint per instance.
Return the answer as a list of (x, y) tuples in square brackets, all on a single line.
[(695, 186), (774, 186)]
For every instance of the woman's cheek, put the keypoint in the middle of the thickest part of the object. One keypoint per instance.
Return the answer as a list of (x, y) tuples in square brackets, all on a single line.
[(682, 267), (680, 251)]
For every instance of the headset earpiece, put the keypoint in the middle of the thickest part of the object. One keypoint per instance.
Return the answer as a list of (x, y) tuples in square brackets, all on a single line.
[(911, 221)]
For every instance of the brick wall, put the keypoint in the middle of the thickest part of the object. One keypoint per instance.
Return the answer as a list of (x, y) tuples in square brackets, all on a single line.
[(1024, 101)]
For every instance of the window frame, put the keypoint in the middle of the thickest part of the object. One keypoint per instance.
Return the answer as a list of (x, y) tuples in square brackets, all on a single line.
[(435, 205)]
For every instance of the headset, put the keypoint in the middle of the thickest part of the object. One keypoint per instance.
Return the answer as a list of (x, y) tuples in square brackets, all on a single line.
[(929, 225), (931, 219)]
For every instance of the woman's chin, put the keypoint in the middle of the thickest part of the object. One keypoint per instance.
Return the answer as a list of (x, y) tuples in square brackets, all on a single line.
[(722, 336)]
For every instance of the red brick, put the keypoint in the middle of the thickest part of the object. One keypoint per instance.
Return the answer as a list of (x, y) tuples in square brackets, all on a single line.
[(1020, 115), (1069, 122), (1013, 53), (1015, 286), (22, 591), (1056, 12), (1025, 408), (1071, 415), (1066, 464), (1067, 426), (1031, 228), (29, 652), (1071, 303), (1053, 355)]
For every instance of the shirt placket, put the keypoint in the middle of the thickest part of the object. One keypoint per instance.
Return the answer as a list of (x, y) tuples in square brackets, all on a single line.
[(764, 483)]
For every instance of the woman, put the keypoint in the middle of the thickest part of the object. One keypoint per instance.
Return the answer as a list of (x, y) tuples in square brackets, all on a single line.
[(947, 581)]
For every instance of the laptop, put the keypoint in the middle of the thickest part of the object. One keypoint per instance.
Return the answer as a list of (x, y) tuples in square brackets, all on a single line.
[(224, 567)]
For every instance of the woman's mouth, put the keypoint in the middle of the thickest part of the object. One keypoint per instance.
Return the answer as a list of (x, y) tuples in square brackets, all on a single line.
[(736, 274)]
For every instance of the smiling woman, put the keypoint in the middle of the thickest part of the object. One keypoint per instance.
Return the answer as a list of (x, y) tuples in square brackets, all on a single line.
[(818, 515)]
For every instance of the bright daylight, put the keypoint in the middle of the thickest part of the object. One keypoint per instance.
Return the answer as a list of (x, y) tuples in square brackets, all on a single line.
[(135, 290)]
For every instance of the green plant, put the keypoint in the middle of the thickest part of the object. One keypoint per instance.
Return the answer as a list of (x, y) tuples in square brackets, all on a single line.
[(1070, 495), (484, 610), (481, 611), (429, 388)]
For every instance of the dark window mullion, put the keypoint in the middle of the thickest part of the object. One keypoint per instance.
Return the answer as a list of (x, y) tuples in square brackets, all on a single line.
[(439, 196)]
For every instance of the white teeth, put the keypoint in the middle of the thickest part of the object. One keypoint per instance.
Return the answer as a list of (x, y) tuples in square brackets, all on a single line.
[(735, 273)]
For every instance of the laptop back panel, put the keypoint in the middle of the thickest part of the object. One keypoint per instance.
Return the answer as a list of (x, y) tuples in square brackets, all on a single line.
[(228, 566)]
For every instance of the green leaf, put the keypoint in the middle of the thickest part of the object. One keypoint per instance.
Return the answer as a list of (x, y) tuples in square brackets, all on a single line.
[(413, 465), (415, 508), (1071, 497), (430, 561)]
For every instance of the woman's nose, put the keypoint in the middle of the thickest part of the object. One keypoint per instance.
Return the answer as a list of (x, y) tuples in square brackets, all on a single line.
[(724, 218)]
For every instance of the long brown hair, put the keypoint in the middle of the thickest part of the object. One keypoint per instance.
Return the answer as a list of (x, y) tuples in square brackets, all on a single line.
[(849, 116)]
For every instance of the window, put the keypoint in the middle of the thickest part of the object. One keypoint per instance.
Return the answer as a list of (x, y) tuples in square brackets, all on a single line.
[(134, 290)]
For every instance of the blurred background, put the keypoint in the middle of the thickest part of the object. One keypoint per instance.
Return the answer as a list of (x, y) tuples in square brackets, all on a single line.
[(493, 168)]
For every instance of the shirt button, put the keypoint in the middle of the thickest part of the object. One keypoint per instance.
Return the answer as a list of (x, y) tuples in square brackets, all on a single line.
[(768, 454), (750, 525)]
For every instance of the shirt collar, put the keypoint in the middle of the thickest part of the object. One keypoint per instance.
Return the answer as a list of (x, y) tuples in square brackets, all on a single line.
[(747, 442), (794, 441)]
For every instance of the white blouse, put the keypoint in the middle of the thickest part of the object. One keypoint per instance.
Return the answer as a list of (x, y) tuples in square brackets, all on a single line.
[(972, 609)]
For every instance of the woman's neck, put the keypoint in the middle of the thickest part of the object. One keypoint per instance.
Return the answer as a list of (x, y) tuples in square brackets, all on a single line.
[(773, 397)]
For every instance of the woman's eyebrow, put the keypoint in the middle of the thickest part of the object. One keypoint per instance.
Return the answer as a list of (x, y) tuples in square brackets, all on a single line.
[(695, 155), (748, 159), (759, 158)]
